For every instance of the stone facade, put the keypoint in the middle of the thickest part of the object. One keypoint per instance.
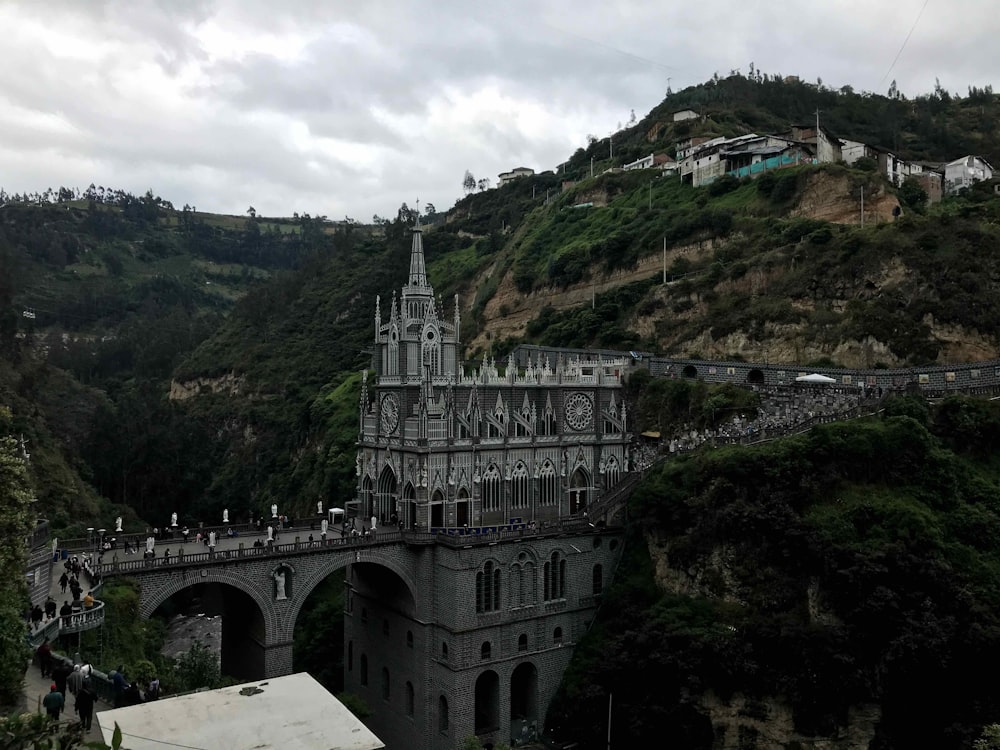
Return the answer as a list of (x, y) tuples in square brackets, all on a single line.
[(440, 448), (480, 644), (481, 647)]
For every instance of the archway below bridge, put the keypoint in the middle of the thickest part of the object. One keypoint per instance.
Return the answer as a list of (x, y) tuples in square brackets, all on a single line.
[(318, 643), (755, 377), (223, 619), (689, 371)]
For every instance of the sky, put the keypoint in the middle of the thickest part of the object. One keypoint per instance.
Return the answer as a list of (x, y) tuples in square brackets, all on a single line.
[(349, 108)]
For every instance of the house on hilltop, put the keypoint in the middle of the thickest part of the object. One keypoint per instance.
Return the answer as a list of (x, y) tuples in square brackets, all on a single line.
[(962, 173), (685, 114), (505, 177), (825, 144)]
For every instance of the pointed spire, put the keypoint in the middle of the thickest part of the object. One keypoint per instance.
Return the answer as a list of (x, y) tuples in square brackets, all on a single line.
[(378, 314), (418, 271)]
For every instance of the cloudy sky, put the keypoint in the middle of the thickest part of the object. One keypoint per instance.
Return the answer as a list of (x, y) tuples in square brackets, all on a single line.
[(351, 107)]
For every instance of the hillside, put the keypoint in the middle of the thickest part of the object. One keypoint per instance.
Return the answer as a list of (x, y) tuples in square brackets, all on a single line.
[(819, 591), (183, 330)]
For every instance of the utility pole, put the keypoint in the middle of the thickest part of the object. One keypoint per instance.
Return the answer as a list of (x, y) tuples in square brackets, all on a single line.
[(862, 205), (650, 195), (591, 166), (609, 720), (664, 260), (611, 144)]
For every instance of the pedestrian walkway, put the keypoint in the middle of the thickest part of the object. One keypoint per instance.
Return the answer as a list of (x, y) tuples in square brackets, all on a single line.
[(37, 687)]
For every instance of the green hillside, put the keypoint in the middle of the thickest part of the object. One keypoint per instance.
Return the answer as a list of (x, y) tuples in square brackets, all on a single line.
[(849, 576)]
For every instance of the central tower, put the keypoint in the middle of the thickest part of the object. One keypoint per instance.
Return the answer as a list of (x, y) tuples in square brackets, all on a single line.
[(480, 644)]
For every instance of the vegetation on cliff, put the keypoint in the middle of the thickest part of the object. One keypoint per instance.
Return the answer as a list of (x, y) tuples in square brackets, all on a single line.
[(854, 564)]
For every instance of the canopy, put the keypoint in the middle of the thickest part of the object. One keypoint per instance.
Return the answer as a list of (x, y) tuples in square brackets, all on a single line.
[(814, 378)]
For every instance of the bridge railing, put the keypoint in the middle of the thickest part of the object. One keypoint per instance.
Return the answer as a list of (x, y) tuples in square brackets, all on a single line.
[(85, 619), (182, 558)]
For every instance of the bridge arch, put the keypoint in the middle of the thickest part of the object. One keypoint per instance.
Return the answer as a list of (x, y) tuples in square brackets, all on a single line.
[(250, 621), (255, 591), (308, 582), (689, 371), (755, 376)]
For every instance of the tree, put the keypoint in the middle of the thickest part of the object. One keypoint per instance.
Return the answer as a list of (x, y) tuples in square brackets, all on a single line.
[(468, 182), (912, 195), (15, 527), (429, 210), (483, 184)]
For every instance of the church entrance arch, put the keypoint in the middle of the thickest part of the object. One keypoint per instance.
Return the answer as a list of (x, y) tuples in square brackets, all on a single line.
[(487, 706), (579, 489), (462, 508), (437, 508), (225, 619), (385, 498), (524, 700)]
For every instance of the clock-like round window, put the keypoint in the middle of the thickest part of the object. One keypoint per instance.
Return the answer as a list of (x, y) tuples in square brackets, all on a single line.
[(579, 411), (390, 413)]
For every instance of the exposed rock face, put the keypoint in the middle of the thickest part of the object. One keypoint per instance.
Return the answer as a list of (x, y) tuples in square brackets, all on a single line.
[(742, 721), (835, 199), (509, 311), (230, 384)]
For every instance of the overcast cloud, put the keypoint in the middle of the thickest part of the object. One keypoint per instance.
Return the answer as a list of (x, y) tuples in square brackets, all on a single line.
[(349, 108)]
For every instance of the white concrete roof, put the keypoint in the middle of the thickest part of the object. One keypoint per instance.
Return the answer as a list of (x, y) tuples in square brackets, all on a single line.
[(291, 713)]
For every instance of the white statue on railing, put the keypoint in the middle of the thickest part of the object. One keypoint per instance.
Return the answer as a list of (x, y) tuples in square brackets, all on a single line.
[(319, 508), (270, 533), (150, 543), (279, 584), (323, 526), (225, 515), (211, 540), (274, 510), (118, 523), (173, 520)]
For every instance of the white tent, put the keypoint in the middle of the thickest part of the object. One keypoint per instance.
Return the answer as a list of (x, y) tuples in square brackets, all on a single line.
[(336, 515), (814, 378)]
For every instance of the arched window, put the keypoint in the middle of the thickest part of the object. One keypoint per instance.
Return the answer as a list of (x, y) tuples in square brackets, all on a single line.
[(488, 588), (385, 683), (612, 473), (409, 698), (548, 484), (522, 642), (492, 488), (598, 579), (485, 651), (516, 586), (444, 651), (364, 670), (520, 487), (557, 636), (442, 714), (555, 577)]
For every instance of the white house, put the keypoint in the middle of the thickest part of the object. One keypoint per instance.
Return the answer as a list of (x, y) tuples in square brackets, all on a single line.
[(505, 177), (685, 114), (961, 173)]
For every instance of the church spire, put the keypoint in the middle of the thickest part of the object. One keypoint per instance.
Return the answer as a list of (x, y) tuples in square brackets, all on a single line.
[(418, 271)]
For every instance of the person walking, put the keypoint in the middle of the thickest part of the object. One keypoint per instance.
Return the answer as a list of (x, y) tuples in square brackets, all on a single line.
[(85, 704), (65, 611), (63, 582), (53, 702), (50, 608), (61, 671), (88, 600), (45, 658), (75, 681), (36, 617)]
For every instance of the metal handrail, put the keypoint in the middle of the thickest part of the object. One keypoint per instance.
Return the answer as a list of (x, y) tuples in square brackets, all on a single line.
[(85, 619)]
